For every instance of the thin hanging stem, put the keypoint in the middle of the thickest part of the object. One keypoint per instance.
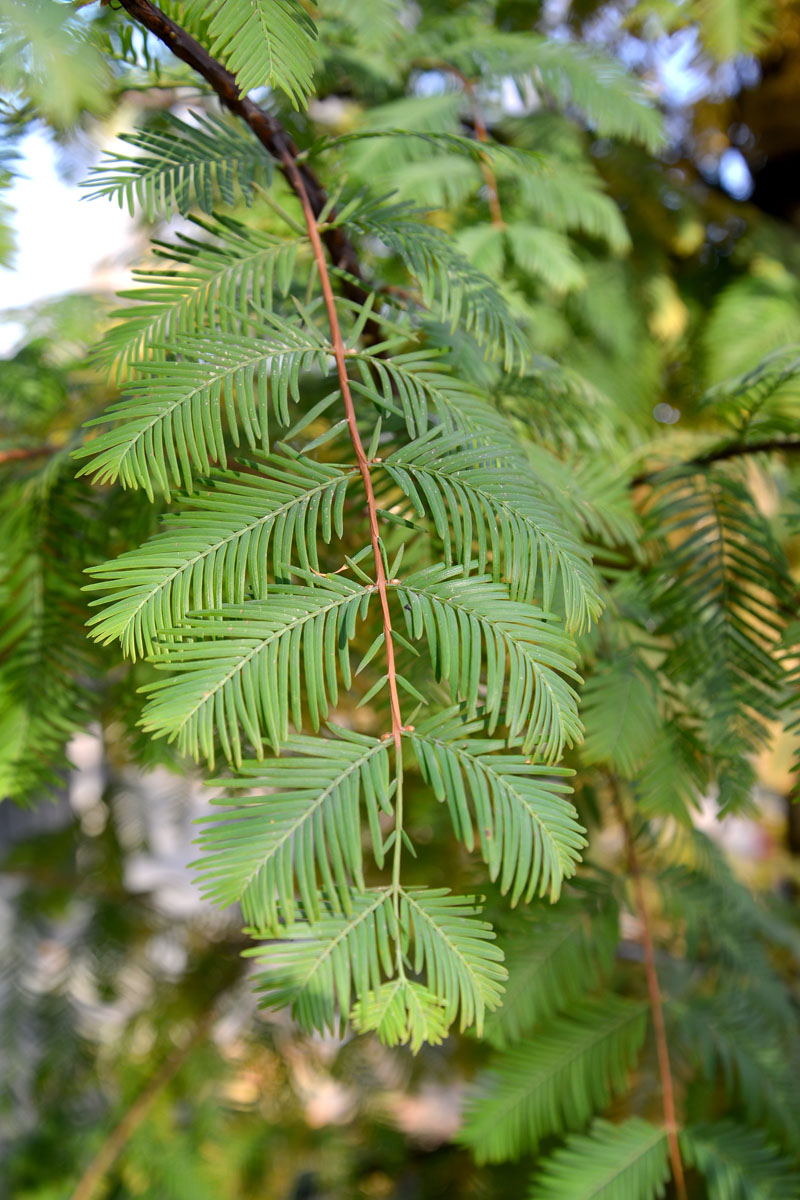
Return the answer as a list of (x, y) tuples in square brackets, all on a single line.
[(487, 170), (340, 354), (397, 860), (656, 1005)]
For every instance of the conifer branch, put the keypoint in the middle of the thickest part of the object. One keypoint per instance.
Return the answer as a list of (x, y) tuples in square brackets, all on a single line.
[(313, 200), (654, 994), (269, 131)]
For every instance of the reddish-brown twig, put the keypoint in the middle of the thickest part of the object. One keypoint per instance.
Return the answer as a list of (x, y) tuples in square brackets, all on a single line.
[(355, 437), (25, 453), (656, 1005)]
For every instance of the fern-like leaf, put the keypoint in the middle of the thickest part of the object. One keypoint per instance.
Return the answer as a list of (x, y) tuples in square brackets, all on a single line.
[(528, 831), (733, 27), (569, 197), (554, 956), (319, 968), (337, 962), (728, 1037), (217, 549), (302, 825), (402, 1011), (457, 952), (219, 276), (468, 621), (170, 421), (250, 667), (571, 1067), (497, 516), (183, 167), (418, 386), (739, 1163), (447, 280), (611, 98), (620, 713), (263, 42), (611, 1162), (719, 591)]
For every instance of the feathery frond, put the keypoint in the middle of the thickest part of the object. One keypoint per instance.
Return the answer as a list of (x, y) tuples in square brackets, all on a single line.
[(611, 1162), (498, 517), (620, 712), (301, 828), (718, 594), (45, 663), (764, 400), (217, 548), (470, 621), (263, 42), (319, 968), (557, 1079), (47, 58), (170, 420), (753, 1062), (554, 956), (569, 197), (739, 1163), (417, 384), (732, 27), (456, 951), (528, 831), (337, 962), (610, 98), (214, 286), (448, 281), (250, 667), (184, 167), (402, 1012), (544, 254), (588, 494)]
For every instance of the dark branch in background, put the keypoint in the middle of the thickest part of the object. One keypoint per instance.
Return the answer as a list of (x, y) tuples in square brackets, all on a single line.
[(721, 453), (734, 449), (481, 133), (269, 131)]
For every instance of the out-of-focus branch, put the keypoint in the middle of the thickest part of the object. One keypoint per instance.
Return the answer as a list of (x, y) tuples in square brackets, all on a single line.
[(25, 453), (124, 1130), (654, 995), (481, 133)]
